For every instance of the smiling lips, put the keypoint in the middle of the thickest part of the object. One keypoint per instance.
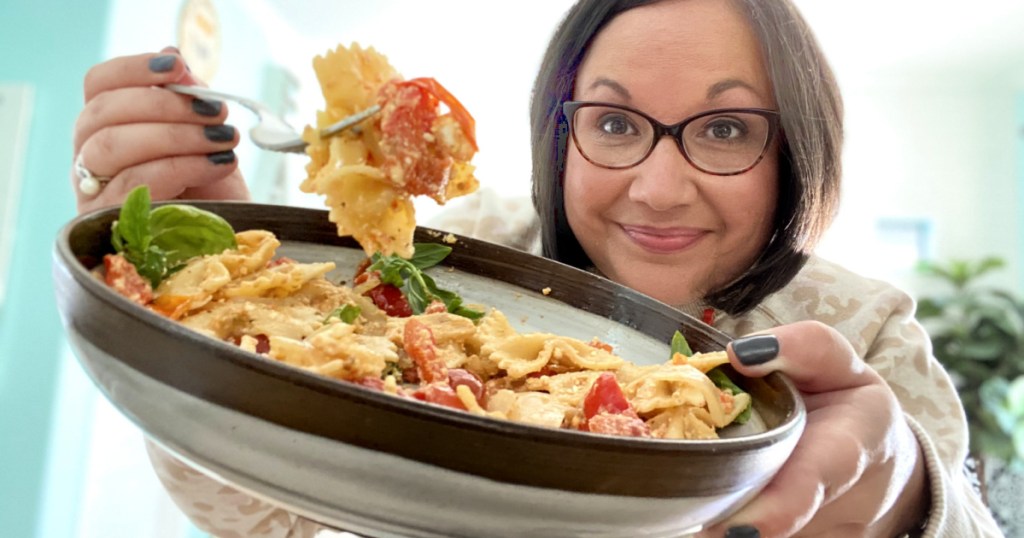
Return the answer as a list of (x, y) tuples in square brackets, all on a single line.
[(663, 240)]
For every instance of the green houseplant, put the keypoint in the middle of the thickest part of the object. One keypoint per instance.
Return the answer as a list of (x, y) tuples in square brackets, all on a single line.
[(978, 334)]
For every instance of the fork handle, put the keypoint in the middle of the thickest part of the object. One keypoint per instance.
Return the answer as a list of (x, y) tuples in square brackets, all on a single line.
[(206, 93)]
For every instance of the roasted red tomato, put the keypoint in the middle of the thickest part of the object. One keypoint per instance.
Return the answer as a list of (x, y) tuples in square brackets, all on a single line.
[(262, 344), (439, 393), (391, 300), (605, 396), (458, 111), (420, 345), (606, 410), (374, 383), (416, 155), (125, 280), (612, 424), (458, 376)]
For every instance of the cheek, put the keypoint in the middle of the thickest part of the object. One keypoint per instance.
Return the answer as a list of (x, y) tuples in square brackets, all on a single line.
[(572, 185), (751, 209), (582, 199)]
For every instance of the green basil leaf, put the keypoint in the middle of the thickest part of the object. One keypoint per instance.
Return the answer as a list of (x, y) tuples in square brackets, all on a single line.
[(347, 313), (467, 312), (419, 288), (184, 232), (150, 264), (116, 239), (679, 345), (390, 269), (451, 300), (427, 255), (417, 296), (723, 382), (132, 225), (446, 296)]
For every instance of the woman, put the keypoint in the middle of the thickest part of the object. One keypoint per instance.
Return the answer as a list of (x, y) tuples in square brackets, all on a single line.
[(688, 149)]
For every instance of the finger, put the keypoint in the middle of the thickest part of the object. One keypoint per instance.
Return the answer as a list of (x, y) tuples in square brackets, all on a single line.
[(833, 456), (144, 105), (232, 187), (119, 147), (167, 178), (816, 357), (188, 78), (140, 70)]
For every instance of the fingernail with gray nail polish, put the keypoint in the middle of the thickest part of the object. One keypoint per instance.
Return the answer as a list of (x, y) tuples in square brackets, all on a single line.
[(219, 133), (756, 349), (162, 64), (222, 157), (206, 108), (743, 531)]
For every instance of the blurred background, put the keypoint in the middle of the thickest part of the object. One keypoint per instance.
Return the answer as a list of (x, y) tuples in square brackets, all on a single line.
[(934, 172)]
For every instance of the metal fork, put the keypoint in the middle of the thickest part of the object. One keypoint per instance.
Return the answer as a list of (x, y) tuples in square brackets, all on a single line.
[(272, 132)]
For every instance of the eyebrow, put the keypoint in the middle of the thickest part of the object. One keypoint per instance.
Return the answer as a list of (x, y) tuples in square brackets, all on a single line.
[(714, 91), (615, 86), (723, 86)]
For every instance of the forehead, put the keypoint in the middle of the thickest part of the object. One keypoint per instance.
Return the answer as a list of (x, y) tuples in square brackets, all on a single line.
[(675, 51)]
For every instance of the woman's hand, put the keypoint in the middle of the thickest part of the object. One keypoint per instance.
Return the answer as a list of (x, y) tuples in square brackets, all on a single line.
[(136, 133), (857, 470)]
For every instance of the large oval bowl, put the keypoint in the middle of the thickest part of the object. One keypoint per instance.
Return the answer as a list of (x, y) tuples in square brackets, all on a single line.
[(385, 466)]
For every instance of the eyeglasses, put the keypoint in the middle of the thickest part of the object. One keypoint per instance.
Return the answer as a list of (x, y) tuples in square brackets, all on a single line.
[(723, 142)]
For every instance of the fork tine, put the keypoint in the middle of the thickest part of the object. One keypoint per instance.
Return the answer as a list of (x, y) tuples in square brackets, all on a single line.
[(349, 121)]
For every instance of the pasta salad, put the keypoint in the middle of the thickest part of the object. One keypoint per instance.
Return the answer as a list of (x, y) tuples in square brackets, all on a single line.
[(394, 329)]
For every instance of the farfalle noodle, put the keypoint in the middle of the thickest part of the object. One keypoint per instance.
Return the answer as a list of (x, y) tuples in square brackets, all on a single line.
[(288, 311)]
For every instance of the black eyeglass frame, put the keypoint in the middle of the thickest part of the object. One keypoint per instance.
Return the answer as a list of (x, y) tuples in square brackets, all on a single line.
[(569, 109)]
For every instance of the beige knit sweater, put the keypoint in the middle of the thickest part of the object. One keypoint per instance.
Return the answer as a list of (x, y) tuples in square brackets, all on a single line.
[(875, 317)]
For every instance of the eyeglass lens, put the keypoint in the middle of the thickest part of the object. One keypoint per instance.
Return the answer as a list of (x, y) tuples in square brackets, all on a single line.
[(716, 142)]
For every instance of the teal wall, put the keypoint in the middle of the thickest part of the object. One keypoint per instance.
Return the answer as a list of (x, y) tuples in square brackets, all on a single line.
[(49, 44), (47, 402)]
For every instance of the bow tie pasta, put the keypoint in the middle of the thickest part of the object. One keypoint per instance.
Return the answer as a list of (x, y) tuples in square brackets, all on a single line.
[(369, 174), (442, 354)]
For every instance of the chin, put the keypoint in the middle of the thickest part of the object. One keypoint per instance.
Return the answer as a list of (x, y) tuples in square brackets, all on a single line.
[(670, 288)]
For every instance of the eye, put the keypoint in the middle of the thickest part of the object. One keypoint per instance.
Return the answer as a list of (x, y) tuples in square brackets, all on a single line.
[(615, 123), (725, 128)]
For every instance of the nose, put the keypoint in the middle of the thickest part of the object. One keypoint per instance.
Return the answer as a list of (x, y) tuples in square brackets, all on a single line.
[(665, 179)]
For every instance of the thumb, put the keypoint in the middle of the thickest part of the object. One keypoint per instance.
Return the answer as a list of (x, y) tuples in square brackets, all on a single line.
[(816, 357)]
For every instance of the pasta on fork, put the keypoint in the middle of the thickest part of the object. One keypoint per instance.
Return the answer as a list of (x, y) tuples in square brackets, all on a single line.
[(369, 175)]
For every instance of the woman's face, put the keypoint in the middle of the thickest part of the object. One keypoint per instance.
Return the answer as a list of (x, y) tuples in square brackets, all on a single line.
[(664, 227)]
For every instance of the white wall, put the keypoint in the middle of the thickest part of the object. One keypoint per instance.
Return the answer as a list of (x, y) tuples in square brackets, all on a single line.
[(939, 150), (929, 91), (932, 90), (485, 53)]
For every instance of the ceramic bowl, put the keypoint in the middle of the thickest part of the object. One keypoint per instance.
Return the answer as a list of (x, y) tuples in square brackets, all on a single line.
[(384, 466)]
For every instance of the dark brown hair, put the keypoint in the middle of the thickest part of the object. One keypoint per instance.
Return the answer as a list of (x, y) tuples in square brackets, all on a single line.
[(810, 110)]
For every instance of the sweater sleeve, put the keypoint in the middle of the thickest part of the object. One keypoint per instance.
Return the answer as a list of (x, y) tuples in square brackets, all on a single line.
[(878, 321), (221, 510), (902, 353)]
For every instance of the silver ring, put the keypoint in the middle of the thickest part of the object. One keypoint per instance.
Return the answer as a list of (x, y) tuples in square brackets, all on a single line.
[(88, 183)]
